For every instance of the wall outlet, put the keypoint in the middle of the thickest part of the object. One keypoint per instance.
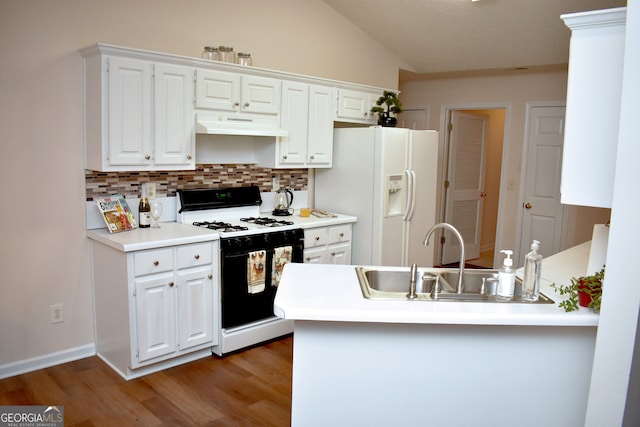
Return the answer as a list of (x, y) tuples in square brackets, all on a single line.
[(57, 315)]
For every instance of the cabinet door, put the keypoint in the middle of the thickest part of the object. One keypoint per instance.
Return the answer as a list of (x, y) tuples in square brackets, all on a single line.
[(174, 139), (315, 255), (155, 301), (339, 254), (320, 137), (260, 95), (217, 90), (129, 111), (356, 105), (295, 118), (195, 307)]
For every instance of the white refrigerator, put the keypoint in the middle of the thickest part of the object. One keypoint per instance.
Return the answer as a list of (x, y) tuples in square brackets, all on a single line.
[(387, 178)]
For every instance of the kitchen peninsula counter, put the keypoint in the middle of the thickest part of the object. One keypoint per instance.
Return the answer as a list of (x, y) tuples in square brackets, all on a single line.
[(332, 293), (367, 362)]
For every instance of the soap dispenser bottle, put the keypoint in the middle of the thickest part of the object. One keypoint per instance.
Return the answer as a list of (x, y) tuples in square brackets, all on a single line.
[(506, 278), (532, 270)]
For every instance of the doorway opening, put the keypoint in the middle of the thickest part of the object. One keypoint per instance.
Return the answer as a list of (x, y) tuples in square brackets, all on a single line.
[(470, 183)]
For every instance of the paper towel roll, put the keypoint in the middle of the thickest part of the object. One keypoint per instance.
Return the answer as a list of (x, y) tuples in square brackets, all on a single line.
[(598, 254)]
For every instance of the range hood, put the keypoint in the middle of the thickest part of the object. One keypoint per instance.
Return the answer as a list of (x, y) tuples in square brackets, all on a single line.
[(219, 124)]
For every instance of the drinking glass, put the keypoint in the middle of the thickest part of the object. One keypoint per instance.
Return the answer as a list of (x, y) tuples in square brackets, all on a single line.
[(156, 213)]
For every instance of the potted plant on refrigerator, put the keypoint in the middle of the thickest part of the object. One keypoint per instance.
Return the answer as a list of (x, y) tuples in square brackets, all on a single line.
[(583, 291), (385, 105)]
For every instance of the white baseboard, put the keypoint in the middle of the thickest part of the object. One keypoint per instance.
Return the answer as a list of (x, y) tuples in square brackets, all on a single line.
[(28, 365)]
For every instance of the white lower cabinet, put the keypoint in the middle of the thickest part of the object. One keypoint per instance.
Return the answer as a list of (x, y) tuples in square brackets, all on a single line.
[(169, 295), (328, 245)]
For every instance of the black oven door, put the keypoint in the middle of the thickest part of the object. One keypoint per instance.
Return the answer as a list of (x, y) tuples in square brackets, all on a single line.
[(245, 300)]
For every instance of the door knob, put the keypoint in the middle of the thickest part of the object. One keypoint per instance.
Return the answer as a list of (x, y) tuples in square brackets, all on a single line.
[(483, 194), (528, 205)]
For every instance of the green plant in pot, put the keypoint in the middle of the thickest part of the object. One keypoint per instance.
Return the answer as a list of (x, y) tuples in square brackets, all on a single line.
[(584, 291), (385, 105)]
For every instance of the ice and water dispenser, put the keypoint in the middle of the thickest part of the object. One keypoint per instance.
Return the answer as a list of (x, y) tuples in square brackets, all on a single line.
[(394, 198)]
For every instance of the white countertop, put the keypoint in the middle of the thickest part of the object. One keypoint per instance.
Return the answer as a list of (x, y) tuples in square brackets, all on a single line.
[(169, 234), (321, 292), (174, 233)]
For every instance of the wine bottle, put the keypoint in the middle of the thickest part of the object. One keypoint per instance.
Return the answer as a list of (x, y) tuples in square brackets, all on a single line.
[(144, 209)]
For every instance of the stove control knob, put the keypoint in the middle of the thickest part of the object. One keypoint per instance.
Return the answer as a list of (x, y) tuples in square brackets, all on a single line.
[(237, 242)]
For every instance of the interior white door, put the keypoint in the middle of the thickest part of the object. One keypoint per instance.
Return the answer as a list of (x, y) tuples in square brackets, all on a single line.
[(413, 119), (465, 184), (542, 212)]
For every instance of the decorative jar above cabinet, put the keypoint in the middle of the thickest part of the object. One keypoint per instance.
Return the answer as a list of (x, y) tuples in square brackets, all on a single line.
[(593, 106), (138, 112)]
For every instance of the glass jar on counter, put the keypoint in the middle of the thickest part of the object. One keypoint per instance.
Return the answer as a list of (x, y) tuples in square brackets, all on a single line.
[(211, 53), (227, 54), (243, 58)]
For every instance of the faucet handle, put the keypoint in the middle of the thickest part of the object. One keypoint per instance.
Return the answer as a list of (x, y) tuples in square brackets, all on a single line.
[(435, 288)]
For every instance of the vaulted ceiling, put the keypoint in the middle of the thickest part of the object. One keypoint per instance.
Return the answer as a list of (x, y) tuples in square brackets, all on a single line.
[(444, 37)]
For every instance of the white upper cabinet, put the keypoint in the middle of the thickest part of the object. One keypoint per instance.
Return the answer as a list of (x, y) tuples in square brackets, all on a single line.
[(143, 110), (593, 106), (355, 106), (321, 115), (235, 93), (307, 116), (138, 114), (174, 137), (128, 116)]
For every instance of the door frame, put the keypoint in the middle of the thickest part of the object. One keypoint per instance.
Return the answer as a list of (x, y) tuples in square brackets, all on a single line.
[(523, 174), (445, 111)]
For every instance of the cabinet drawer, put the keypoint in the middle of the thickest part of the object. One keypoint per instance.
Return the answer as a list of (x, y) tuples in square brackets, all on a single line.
[(315, 237), (151, 262), (341, 233), (195, 255)]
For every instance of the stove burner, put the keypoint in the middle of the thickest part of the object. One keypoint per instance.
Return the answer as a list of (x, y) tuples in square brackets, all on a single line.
[(267, 222), (220, 226)]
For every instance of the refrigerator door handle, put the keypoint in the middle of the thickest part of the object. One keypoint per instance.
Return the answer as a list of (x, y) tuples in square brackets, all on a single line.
[(411, 194)]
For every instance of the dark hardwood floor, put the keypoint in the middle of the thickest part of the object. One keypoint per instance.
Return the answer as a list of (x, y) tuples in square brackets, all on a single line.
[(248, 388)]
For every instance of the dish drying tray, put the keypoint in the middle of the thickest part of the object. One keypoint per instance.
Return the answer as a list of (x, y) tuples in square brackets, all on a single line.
[(322, 214)]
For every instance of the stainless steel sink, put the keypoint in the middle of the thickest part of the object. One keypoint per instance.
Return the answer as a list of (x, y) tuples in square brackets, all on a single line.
[(392, 283)]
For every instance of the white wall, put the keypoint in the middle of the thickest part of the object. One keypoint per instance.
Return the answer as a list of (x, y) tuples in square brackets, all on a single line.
[(44, 255), (513, 91)]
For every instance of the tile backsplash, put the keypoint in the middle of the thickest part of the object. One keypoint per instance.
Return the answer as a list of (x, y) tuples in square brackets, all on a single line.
[(99, 184)]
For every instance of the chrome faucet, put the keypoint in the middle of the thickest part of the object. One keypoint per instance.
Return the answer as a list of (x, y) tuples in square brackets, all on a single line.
[(450, 227), (413, 278)]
